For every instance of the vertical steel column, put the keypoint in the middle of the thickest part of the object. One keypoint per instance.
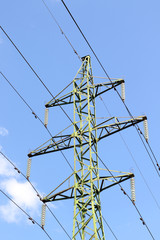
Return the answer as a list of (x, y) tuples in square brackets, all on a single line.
[(87, 221)]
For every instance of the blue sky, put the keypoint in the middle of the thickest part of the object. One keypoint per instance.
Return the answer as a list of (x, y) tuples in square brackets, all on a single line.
[(125, 35)]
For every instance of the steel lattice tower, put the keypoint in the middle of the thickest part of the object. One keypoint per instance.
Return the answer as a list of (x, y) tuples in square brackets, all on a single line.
[(87, 208), (88, 182)]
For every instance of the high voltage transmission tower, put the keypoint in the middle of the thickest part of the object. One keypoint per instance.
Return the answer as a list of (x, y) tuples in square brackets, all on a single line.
[(88, 180)]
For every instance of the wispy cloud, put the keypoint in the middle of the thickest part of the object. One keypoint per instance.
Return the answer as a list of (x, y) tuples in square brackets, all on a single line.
[(3, 131), (10, 213), (24, 195), (6, 169), (19, 191)]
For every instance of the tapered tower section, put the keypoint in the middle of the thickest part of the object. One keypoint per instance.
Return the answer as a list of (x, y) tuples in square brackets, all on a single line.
[(87, 221)]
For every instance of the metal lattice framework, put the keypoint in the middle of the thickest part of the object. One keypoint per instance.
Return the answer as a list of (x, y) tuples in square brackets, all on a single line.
[(88, 182)]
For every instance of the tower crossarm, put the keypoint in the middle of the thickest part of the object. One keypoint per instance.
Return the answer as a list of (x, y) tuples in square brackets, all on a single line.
[(99, 89), (109, 129), (105, 182), (66, 141)]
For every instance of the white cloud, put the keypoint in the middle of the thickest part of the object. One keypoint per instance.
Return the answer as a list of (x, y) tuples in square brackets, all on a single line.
[(21, 192), (6, 169), (10, 213), (24, 195), (3, 131)]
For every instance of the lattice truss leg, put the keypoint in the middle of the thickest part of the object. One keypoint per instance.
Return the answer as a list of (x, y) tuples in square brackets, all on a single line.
[(87, 219)]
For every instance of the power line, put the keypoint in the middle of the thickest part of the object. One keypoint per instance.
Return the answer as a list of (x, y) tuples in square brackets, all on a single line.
[(68, 116), (50, 135), (29, 217), (154, 198), (138, 211), (33, 112), (109, 228), (125, 193), (14, 166), (140, 133), (55, 20), (38, 195), (59, 104), (137, 127), (33, 71), (119, 96), (58, 222), (141, 218), (126, 145)]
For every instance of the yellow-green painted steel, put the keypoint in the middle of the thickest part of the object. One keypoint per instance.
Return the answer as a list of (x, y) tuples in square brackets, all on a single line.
[(87, 219), (87, 184)]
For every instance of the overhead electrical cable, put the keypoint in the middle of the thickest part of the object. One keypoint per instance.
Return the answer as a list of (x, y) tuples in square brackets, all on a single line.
[(145, 181), (58, 103), (36, 116), (38, 195), (52, 138), (53, 17), (18, 170), (33, 71), (109, 228), (141, 218), (51, 13), (55, 20), (128, 149), (67, 115), (114, 89), (29, 217), (125, 193), (136, 126), (58, 222)]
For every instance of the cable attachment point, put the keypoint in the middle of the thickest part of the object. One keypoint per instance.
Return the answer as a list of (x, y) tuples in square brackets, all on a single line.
[(39, 197), (75, 51), (34, 115), (140, 130), (142, 221), (17, 170), (31, 220), (123, 191), (158, 166)]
